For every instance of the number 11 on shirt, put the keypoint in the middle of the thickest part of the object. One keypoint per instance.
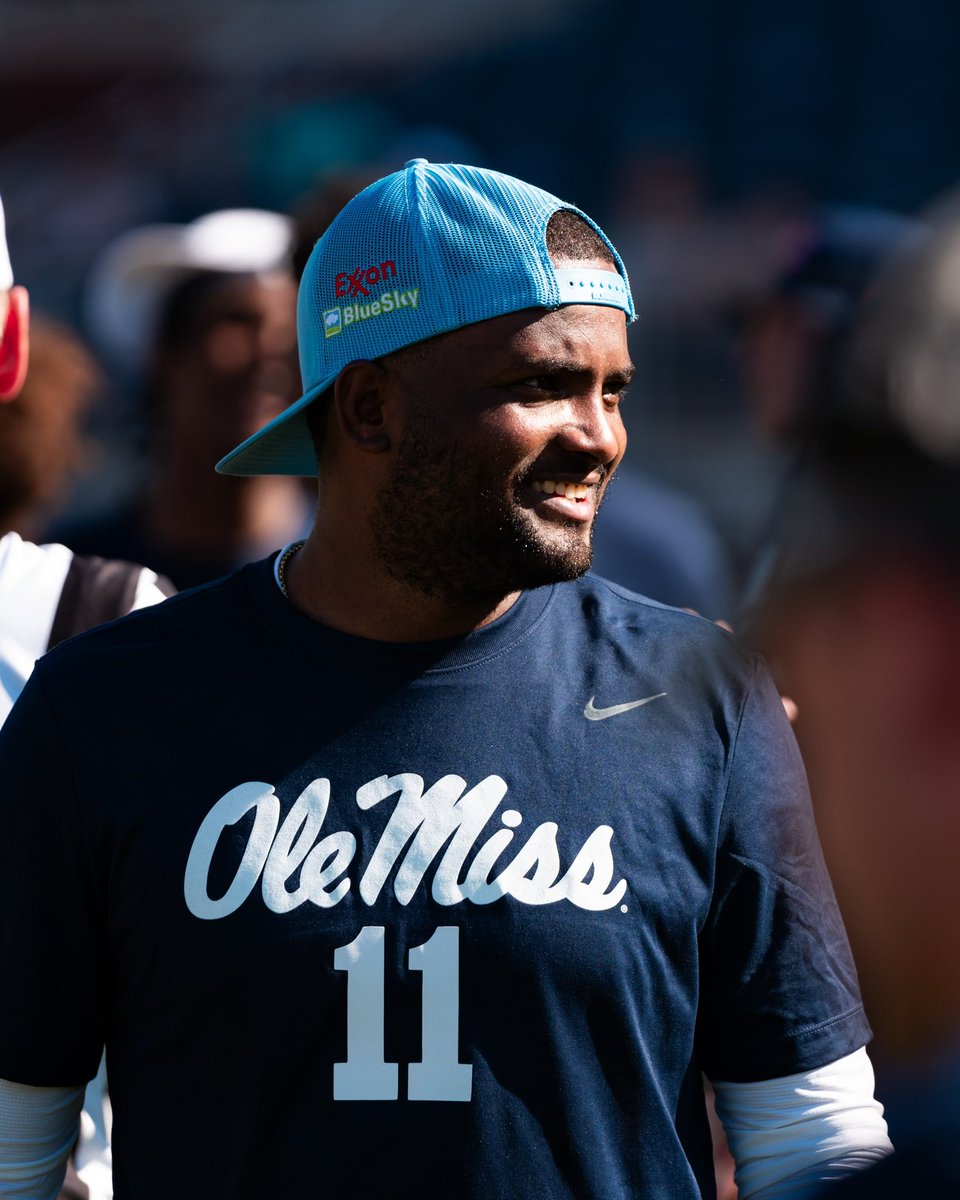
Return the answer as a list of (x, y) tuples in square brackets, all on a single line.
[(365, 1075)]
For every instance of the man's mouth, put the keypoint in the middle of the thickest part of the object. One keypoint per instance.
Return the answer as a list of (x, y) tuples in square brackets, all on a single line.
[(557, 487)]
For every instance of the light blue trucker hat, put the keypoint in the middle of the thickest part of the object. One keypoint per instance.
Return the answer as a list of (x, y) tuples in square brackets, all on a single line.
[(428, 249)]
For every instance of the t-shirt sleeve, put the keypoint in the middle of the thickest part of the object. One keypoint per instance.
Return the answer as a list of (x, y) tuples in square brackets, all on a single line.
[(779, 991), (52, 915)]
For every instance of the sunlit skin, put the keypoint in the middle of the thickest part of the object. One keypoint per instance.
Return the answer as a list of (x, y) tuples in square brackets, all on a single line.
[(527, 402)]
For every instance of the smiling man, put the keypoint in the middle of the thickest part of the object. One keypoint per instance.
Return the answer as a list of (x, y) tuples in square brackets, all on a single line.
[(439, 867)]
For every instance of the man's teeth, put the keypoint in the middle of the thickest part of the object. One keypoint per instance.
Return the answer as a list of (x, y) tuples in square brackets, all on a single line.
[(575, 491)]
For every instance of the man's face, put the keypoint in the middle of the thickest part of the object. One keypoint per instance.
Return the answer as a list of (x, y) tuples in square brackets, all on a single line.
[(511, 432)]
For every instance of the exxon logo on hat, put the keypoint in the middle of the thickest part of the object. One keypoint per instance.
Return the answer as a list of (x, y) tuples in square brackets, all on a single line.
[(421, 252)]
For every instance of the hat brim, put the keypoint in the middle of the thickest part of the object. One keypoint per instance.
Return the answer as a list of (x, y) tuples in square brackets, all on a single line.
[(282, 447)]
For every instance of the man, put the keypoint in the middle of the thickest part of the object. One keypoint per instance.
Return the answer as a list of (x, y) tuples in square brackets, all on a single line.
[(861, 616), (437, 869)]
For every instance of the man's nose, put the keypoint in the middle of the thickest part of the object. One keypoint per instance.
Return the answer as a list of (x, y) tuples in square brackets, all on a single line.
[(595, 428)]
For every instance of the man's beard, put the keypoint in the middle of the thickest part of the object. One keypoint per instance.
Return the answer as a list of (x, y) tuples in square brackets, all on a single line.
[(443, 526)]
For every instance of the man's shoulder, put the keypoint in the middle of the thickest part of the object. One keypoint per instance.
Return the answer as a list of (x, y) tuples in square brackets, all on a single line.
[(608, 606), (612, 596), (597, 626)]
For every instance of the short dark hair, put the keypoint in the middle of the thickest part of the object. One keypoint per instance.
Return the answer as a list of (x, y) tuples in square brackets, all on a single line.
[(572, 238)]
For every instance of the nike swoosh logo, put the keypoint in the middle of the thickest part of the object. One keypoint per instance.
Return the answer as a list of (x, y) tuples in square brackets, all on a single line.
[(592, 713)]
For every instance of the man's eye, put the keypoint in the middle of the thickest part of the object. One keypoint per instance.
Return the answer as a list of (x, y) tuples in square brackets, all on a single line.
[(540, 387)]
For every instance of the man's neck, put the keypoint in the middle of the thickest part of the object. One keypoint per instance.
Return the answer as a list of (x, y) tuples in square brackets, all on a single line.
[(345, 588)]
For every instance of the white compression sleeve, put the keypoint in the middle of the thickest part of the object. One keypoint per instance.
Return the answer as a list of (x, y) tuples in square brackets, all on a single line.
[(38, 1126), (788, 1135)]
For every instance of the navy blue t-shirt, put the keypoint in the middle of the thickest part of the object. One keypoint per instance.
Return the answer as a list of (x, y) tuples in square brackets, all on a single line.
[(463, 919)]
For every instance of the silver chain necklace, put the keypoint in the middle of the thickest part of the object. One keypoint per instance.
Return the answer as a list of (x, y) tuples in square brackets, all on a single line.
[(282, 565)]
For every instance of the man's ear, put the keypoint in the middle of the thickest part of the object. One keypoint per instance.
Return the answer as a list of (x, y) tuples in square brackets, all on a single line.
[(360, 394), (14, 343)]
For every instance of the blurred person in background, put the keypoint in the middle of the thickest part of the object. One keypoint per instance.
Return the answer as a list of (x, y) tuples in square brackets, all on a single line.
[(793, 331), (860, 618), (47, 593), (205, 315), (793, 336), (44, 448)]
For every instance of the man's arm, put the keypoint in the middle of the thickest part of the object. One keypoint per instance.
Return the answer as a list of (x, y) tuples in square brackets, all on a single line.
[(790, 1135), (782, 1026), (38, 1127)]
